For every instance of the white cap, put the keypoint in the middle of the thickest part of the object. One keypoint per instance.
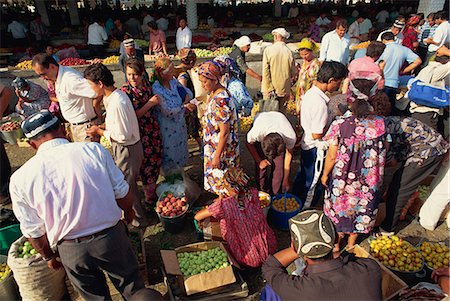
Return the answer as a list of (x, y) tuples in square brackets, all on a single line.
[(242, 41), (282, 32), (128, 43)]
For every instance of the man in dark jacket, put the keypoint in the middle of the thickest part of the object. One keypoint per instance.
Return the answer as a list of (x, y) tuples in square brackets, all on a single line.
[(131, 53), (324, 277)]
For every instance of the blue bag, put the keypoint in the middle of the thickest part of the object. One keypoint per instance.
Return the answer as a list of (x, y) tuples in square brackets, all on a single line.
[(428, 95)]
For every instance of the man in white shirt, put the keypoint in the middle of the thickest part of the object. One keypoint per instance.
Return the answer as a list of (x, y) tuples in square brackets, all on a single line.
[(353, 31), (184, 36), (19, 33), (121, 129), (335, 44), (69, 199), (313, 119), (271, 141), (322, 20), (97, 36), (79, 104), (440, 36), (396, 29), (365, 28)]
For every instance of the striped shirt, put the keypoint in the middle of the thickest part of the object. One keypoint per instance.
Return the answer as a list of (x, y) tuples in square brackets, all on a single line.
[(426, 31)]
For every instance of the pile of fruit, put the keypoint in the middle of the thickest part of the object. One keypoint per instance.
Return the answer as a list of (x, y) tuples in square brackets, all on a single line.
[(200, 39), (264, 199), (171, 206), (203, 26), (114, 44), (220, 34), (209, 53), (73, 61), (26, 250), (436, 255), (4, 271), (10, 126), (360, 45), (25, 65), (142, 43), (291, 204), (396, 253), (105, 142), (113, 59), (193, 263), (268, 37)]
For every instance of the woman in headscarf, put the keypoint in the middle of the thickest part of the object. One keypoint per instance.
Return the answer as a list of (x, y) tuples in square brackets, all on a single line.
[(220, 134), (144, 102), (170, 114), (188, 58), (308, 70), (354, 166), (240, 47), (242, 99), (410, 33)]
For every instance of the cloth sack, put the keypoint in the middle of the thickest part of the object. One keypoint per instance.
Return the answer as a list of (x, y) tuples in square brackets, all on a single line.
[(35, 279)]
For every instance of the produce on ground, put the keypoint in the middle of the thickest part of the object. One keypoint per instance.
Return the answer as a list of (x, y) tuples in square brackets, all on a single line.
[(73, 61), (10, 126), (113, 59), (209, 53), (172, 206), (436, 255), (25, 65), (291, 204), (268, 37), (26, 250), (4, 271), (264, 200), (192, 263), (396, 253)]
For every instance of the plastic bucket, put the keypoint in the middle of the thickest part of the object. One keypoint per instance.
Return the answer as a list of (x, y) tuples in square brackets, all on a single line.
[(173, 224), (8, 235), (281, 219), (8, 286)]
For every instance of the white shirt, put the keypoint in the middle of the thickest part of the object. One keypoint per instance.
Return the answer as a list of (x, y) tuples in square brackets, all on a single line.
[(17, 29), (184, 38), (163, 24), (382, 16), (334, 48), (75, 95), (365, 26), (96, 34), (313, 115), (322, 22), (266, 123), (397, 39), (353, 31), (441, 36), (67, 190), (121, 122)]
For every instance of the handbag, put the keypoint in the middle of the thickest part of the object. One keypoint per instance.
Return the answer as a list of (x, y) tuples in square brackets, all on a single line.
[(271, 104), (425, 94)]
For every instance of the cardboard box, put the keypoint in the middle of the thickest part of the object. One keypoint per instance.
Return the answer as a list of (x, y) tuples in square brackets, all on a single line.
[(200, 282), (391, 284)]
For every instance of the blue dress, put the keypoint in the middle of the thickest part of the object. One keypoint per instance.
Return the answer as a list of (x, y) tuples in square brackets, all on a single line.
[(242, 100), (170, 114)]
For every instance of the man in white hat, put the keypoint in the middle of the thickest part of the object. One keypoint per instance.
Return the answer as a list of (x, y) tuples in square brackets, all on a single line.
[(396, 29), (240, 47), (278, 69), (130, 53)]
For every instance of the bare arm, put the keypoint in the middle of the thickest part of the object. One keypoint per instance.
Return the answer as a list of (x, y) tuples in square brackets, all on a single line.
[(164, 46), (330, 160), (42, 245), (412, 66), (202, 214), (97, 103), (126, 204), (253, 74), (286, 256), (317, 136), (148, 105), (287, 169)]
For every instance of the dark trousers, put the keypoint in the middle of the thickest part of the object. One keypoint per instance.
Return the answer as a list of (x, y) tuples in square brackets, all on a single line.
[(110, 252), (304, 178), (96, 51), (391, 93), (5, 171), (271, 177), (404, 183), (422, 53)]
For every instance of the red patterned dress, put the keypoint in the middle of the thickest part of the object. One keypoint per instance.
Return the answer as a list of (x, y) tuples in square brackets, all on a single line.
[(245, 228)]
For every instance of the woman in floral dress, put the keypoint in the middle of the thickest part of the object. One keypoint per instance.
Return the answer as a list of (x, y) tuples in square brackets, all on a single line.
[(220, 134), (355, 159), (140, 93), (170, 113)]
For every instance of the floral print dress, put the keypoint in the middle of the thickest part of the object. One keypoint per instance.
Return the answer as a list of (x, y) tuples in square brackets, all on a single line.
[(150, 138), (170, 113), (219, 109), (352, 196)]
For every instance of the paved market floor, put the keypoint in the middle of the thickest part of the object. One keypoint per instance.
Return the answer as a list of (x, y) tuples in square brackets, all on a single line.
[(156, 238)]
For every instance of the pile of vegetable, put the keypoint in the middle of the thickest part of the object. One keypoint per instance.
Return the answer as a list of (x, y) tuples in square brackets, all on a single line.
[(26, 250), (9, 126), (142, 43), (113, 59), (73, 61), (268, 37), (25, 65), (4, 271), (192, 263), (291, 204)]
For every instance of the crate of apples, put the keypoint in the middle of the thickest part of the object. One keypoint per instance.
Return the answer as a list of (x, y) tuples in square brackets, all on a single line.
[(171, 206), (436, 255), (396, 254), (291, 204)]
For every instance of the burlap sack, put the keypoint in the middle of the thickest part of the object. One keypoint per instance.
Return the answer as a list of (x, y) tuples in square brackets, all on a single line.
[(35, 279)]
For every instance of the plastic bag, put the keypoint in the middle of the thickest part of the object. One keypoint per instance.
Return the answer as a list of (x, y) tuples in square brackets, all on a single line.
[(180, 184)]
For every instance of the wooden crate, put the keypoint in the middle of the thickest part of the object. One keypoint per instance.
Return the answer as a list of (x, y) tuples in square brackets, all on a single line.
[(391, 284)]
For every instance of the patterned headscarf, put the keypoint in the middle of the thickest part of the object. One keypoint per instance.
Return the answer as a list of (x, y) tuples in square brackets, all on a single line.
[(413, 20), (211, 70), (162, 64), (373, 77), (187, 56), (229, 65)]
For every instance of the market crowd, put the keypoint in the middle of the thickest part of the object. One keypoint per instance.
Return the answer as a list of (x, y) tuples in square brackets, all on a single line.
[(353, 120)]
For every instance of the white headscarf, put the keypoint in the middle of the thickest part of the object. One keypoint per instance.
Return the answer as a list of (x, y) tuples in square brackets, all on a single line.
[(282, 32), (242, 41)]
